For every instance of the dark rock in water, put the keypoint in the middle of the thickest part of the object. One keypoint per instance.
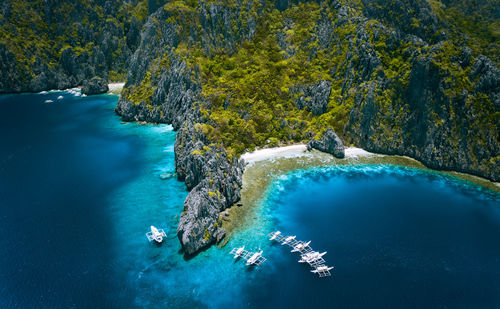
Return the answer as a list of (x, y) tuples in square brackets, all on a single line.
[(215, 183), (199, 224), (329, 142), (96, 85)]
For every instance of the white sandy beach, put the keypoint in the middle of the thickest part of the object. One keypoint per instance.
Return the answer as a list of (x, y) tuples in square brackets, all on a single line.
[(115, 86), (269, 153), (300, 149)]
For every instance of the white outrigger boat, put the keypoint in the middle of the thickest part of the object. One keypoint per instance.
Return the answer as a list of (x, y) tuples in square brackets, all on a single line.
[(254, 258), (322, 270), (307, 255), (311, 257), (156, 234), (274, 235), (288, 240), (239, 252), (300, 246)]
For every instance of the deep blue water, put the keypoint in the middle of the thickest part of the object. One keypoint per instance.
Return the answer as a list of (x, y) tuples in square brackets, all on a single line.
[(78, 190), (398, 238)]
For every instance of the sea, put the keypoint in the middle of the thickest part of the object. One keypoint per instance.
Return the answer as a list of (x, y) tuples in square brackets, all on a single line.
[(79, 189)]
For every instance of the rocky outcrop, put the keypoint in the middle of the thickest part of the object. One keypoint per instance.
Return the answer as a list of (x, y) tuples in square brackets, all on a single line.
[(96, 85), (177, 88), (314, 97), (64, 51), (421, 129), (214, 181), (328, 142), (488, 79)]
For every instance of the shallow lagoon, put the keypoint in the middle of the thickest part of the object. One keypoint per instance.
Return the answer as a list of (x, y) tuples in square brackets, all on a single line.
[(79, 189)]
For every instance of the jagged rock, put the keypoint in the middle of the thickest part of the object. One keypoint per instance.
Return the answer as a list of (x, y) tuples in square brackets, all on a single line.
[(199, 225), (314, 97), (324, 32), (95, 86), (329, 142), (207, 171), (95, 46), (172, 100), (488, 76)]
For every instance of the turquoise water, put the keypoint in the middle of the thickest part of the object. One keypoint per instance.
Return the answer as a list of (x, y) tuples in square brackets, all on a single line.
[(79, 190)]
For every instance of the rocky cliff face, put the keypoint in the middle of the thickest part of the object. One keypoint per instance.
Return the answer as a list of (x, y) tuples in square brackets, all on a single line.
[(162, 88), (172, 96), (314, 97), (428, 118), (95, 86), (214, 181), (52, 45), (460, 144)]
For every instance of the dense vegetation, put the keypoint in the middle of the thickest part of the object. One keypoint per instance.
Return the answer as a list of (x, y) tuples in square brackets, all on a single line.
[(397, 74), (72, 40)]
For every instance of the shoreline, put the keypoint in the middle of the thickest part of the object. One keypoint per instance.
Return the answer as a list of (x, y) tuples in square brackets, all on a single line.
[(264, 165), (113, 88), (297, 150)]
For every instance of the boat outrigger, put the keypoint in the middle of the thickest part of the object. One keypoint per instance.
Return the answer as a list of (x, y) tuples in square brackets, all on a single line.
[(288, 240), (274, 235), (300, 246), (322, 271), (156, 234), (238, 252), (311, 257), (252, 258), (307, 255)]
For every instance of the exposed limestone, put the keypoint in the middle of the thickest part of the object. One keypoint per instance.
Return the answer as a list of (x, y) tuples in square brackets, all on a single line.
[(329, 142), (96, 85)]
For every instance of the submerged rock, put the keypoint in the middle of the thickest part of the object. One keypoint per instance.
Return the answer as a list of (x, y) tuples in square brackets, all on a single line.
[(96, 85), (329, 142), (167, 175)]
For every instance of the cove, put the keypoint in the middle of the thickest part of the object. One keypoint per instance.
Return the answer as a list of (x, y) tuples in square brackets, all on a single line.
[(398, 238)]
